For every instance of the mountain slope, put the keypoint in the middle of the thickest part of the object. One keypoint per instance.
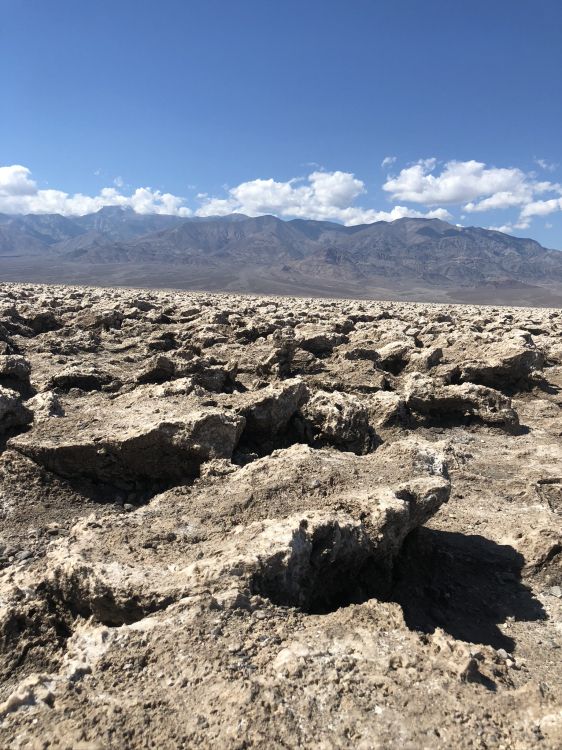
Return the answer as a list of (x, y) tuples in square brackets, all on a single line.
[(263, 253)]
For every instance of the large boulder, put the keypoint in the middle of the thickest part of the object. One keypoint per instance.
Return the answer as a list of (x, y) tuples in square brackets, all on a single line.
[(386, 410), (425, 359), (14, 373), (309, 529), (268, 412), (318, 340), (280, 353), (158, 369), (361, 350), (208, 373), (13, 413), (96, 318), (42, 321), (394, 356), (357, 376), (502, 357), (45, 405), (511, 366), (338, 419)]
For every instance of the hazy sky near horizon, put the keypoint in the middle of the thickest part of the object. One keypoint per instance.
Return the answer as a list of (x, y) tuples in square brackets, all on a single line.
[(349, 111)]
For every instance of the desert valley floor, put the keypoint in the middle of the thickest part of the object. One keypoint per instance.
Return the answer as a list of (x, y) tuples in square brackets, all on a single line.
[(239, 521)]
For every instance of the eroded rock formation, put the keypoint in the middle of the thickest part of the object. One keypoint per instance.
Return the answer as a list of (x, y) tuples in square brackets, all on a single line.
[(250, 522)]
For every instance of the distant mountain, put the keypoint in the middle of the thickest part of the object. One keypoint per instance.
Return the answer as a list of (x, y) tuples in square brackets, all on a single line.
[(423, 258)]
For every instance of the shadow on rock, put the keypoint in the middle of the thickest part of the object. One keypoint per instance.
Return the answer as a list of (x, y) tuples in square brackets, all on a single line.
[(542, 384), (466, 585)]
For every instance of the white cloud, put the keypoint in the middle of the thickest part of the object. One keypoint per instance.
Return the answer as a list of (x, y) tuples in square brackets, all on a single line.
[(546, 165), (19, 194), (458, 182), (16, 181), (325, 196), (505, 228), (500, 200), (541, 208), (388, 161), (330, 196), (479, 187)]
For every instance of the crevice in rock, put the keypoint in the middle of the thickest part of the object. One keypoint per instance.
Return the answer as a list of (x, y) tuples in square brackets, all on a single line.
[(105, 609), (128, 497), (336, 567), (34, 635), (394, 365), (255, 444), (466, 585), (32, 639), (443, 421)]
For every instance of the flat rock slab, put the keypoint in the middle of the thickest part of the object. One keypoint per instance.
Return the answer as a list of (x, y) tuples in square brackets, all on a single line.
[(133, 439)]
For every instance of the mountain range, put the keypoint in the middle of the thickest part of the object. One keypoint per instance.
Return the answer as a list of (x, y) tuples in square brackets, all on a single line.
[(409, 258)]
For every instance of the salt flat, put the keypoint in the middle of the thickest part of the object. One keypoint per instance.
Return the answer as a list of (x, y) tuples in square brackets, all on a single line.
[(242, 521)]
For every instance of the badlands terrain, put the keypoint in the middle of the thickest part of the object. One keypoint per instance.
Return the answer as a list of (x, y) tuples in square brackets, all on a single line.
[(239, 521)]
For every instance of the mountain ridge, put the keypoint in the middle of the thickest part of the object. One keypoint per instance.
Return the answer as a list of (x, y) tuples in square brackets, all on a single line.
[(408, 253)]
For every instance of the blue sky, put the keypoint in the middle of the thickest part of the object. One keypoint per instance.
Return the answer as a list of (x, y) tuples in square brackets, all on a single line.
[(287, 107)]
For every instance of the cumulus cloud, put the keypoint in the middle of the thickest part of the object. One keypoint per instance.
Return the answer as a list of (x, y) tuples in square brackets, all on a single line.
[(322, 195), (16, 181), (479, 187), (325, 196), (470, 186), (458, 182), (505, 228), (530, 211), (19, 194), (541, 208)]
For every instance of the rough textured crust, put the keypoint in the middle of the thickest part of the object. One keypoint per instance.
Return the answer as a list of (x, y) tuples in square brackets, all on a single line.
[(273, 522)]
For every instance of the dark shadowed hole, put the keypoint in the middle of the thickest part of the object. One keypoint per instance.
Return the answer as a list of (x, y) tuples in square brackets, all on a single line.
[(32, 641), (393, 365), (466, 585), (111, 613), (451, 420), (263, 442), (330, 569)]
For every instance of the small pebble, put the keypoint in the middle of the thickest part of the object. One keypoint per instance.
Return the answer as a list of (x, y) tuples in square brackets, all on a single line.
[(23, 554)]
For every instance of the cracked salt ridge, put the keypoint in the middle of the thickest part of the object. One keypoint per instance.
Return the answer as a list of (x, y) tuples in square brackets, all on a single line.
[(125, 450), (82, 582)]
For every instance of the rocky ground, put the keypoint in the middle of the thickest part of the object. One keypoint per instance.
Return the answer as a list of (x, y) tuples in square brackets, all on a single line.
[(242, 522)]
